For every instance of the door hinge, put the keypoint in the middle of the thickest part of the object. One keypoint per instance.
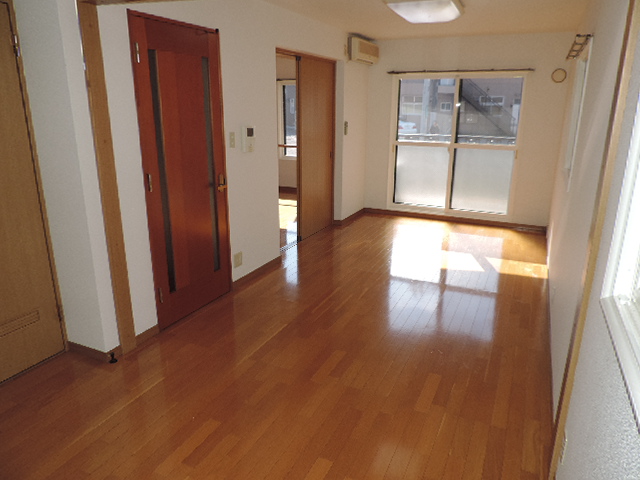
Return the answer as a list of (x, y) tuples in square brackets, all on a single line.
[(16, 46), (160, 296), (137, 52), (149, 184)]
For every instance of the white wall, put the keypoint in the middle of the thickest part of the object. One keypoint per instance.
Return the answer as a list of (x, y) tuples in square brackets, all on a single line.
[(541, 116), (55, 82), (287, 172), (250, 32), (572, 210), (602, 438), (350, 186)]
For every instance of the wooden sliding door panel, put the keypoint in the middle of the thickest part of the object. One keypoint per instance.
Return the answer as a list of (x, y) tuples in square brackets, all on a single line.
[(316, 107)]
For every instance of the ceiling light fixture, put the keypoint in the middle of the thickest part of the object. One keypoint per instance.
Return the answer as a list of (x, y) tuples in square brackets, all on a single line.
[(426, 11)]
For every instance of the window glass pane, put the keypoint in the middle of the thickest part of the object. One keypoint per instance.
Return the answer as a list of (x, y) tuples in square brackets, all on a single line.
[(289, 118), (425, 110), (421, 175), (489, 110), (481, 180)]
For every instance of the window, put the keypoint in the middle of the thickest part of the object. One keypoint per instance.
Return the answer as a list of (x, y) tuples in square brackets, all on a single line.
[(411, 105), (492, 105), (458, 152), (621, 291), (287, 128)]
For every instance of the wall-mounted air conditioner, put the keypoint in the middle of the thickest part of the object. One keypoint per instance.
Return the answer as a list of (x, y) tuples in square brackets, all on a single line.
[(363, 51)]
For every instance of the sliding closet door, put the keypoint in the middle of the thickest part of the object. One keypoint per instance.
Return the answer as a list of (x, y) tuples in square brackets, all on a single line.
[(316, 107)]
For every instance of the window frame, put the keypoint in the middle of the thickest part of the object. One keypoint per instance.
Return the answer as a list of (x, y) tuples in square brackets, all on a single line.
[(620, 297), (452, 145)]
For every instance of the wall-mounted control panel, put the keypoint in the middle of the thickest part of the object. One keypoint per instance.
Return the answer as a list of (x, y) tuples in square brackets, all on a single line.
[(248, 139)]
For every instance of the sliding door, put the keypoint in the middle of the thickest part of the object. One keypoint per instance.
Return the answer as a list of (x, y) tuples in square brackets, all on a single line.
[(316, 107)]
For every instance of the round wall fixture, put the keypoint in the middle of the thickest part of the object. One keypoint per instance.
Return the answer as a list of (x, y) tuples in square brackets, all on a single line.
[(559, 75)]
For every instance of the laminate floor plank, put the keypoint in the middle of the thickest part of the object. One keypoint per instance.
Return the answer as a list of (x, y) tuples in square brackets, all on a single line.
[(392, 347)]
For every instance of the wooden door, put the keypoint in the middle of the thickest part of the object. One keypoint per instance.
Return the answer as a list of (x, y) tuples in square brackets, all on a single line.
[(316, 107), (179, 99), (30, 328)]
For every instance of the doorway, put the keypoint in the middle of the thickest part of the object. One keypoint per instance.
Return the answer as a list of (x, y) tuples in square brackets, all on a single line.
[(306, 100), (178, 91), (286, 82)]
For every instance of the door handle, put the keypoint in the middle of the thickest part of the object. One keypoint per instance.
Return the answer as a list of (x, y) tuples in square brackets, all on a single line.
[(222, 183)]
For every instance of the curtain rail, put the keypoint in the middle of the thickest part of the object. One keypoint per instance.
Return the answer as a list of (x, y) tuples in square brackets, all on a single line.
[(493, 70)]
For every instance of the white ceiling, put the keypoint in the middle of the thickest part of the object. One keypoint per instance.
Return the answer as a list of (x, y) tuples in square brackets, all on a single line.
[(374, 19)]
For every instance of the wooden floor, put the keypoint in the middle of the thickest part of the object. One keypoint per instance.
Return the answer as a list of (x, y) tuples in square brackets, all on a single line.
[(390, 348)]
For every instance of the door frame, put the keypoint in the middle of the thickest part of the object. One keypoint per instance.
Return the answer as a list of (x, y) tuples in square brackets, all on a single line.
[(105, 162)]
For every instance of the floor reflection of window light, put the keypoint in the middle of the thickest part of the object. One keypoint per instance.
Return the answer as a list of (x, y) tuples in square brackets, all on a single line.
[(516, 267), (412, 255)]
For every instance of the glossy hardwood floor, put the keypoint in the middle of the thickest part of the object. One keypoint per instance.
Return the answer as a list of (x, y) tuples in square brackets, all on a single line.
[(390, 348)]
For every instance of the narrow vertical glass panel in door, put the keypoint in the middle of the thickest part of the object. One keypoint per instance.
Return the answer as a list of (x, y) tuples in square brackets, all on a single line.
[(425, 110), (489, 110), (482, 180), (421, 175), (162, 168), (213, 179)]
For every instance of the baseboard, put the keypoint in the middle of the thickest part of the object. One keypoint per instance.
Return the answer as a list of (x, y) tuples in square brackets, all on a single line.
[(147, 335), (117, 352), (350, 219), (249, 278), (447, 218), (288, 190), (92, 352)]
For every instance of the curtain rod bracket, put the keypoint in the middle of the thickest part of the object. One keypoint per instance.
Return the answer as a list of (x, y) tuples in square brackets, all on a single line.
[(579, 44)]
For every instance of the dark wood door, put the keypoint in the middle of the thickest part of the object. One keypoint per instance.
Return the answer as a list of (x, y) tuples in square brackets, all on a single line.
[(30, 329), (316, 94), (179, 100)]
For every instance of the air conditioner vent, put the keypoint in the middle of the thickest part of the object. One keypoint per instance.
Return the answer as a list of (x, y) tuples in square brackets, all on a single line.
[(363, 51)]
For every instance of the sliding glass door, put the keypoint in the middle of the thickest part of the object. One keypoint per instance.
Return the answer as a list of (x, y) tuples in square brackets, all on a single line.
[(456, 142)]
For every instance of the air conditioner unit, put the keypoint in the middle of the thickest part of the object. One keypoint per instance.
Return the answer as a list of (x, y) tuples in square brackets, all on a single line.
[(363, 51)]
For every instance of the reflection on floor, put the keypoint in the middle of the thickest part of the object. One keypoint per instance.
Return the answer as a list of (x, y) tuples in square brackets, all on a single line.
[(392, 348), (288, 208)]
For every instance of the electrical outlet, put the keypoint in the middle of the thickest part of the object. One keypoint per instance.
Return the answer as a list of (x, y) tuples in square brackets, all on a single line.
[(232, 140), (237, 260)]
